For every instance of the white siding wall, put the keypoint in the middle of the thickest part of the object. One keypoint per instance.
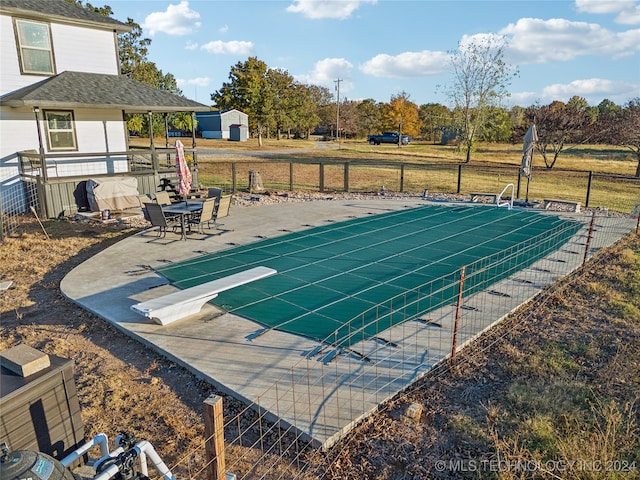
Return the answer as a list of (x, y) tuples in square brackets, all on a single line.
[(84, 50), (10, 78), (75, 49), (18, 132)]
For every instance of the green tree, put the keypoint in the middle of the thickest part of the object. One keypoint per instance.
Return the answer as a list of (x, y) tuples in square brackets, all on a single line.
[(498, 125), (369, 117), (281, 85), (249, 91), (433, 117), (480, 80), (184, 121)]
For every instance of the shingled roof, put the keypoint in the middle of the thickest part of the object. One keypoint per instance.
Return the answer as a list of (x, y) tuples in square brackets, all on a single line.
[(97, 90), (60, 11)]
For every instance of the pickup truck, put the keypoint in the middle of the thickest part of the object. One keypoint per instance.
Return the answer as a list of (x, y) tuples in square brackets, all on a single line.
[(387, 137)]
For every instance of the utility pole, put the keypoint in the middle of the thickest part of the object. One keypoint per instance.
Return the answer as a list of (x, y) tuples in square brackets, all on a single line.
[(337, 82)]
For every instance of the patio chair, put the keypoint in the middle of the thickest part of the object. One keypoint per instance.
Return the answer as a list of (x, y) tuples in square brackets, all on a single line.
[(163, 198), (215, 193), (205, 216), (158, 219), (222, 210)]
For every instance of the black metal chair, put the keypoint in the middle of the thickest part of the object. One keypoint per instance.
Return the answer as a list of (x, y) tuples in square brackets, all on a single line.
[(158, 219)]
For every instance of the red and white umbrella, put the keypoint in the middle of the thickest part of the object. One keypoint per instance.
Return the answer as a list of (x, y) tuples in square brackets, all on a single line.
[(184, 174)]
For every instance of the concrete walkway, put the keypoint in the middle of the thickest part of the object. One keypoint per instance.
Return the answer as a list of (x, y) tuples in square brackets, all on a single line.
[(316, 390)]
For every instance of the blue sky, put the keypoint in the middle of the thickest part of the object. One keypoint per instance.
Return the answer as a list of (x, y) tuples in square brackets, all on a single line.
[(380, 48)]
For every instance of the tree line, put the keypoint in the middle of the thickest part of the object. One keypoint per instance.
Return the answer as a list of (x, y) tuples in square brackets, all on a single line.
[(276, 104)]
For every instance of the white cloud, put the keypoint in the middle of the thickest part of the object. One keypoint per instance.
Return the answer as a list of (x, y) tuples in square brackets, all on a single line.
[(594, 90), (628, 10), (407, 64), (318, 9), (233, 47), (532, 40), (176, 20), (327, 71), (191, 45), (198, 82), (223, 29)]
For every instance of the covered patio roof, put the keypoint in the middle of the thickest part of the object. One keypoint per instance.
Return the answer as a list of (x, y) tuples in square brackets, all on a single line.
[(100, 91)]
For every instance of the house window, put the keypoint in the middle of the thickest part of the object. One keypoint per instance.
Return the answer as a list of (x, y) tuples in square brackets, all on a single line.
[(61, 134), (34, 47)]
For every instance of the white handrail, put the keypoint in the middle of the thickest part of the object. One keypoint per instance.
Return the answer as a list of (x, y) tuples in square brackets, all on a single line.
[(508, 204)]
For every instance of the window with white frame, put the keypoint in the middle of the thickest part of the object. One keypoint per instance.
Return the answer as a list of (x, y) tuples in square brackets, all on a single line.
[(34, 47), (61, 133)]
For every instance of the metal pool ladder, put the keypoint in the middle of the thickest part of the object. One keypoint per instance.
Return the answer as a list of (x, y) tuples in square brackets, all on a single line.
[(508, 203)]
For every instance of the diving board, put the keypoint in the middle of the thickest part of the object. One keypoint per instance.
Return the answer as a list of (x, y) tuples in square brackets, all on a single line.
[(181, 304)]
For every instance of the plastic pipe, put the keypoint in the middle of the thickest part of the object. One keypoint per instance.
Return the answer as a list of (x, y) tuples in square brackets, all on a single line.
[(145, 449), (100, 439)]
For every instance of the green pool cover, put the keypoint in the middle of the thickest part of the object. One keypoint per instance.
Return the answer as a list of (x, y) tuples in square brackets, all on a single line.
[(349, 281)]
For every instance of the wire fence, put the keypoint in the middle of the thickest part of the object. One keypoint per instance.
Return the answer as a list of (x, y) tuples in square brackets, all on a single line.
[(298, 426)]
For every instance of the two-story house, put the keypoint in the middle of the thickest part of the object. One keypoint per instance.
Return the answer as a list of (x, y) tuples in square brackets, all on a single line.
[(63, 105)]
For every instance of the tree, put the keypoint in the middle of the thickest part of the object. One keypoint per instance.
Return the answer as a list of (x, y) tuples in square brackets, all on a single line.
[(625, 130), (184, 121), (401, 114), (368, 117), (433, 117), (282, 88), (480, 81), (248, 90), (497, 126), (560, 125)]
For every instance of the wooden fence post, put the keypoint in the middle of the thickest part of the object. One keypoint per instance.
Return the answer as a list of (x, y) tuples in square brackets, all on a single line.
[(346, 177), (214, 435)]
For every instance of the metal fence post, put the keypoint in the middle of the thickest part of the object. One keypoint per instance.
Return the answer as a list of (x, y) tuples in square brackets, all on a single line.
[(586, 202), (401, 177), (459, 178), (457, 321), (214, 438), (589, 236)]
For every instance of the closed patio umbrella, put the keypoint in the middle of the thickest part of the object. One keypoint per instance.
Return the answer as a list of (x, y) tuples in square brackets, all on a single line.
[(530, 139), (182, 169)]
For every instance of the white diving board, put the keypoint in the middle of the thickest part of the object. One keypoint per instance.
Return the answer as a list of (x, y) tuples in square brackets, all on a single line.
[(181, 304)]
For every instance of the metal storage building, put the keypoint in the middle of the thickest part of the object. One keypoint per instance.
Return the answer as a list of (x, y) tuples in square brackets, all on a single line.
[(217, 123)]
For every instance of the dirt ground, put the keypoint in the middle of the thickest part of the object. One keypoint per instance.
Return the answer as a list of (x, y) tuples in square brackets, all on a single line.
[(469, 413)]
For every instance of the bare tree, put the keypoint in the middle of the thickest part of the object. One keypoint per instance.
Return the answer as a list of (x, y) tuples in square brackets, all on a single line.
[(626, 130), (480, 81), (560, 127)]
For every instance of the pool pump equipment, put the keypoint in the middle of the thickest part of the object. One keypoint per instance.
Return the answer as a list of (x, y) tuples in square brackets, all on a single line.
[(128, 461)]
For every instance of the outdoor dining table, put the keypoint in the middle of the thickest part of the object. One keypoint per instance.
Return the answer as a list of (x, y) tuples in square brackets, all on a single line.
[(184, 209)]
